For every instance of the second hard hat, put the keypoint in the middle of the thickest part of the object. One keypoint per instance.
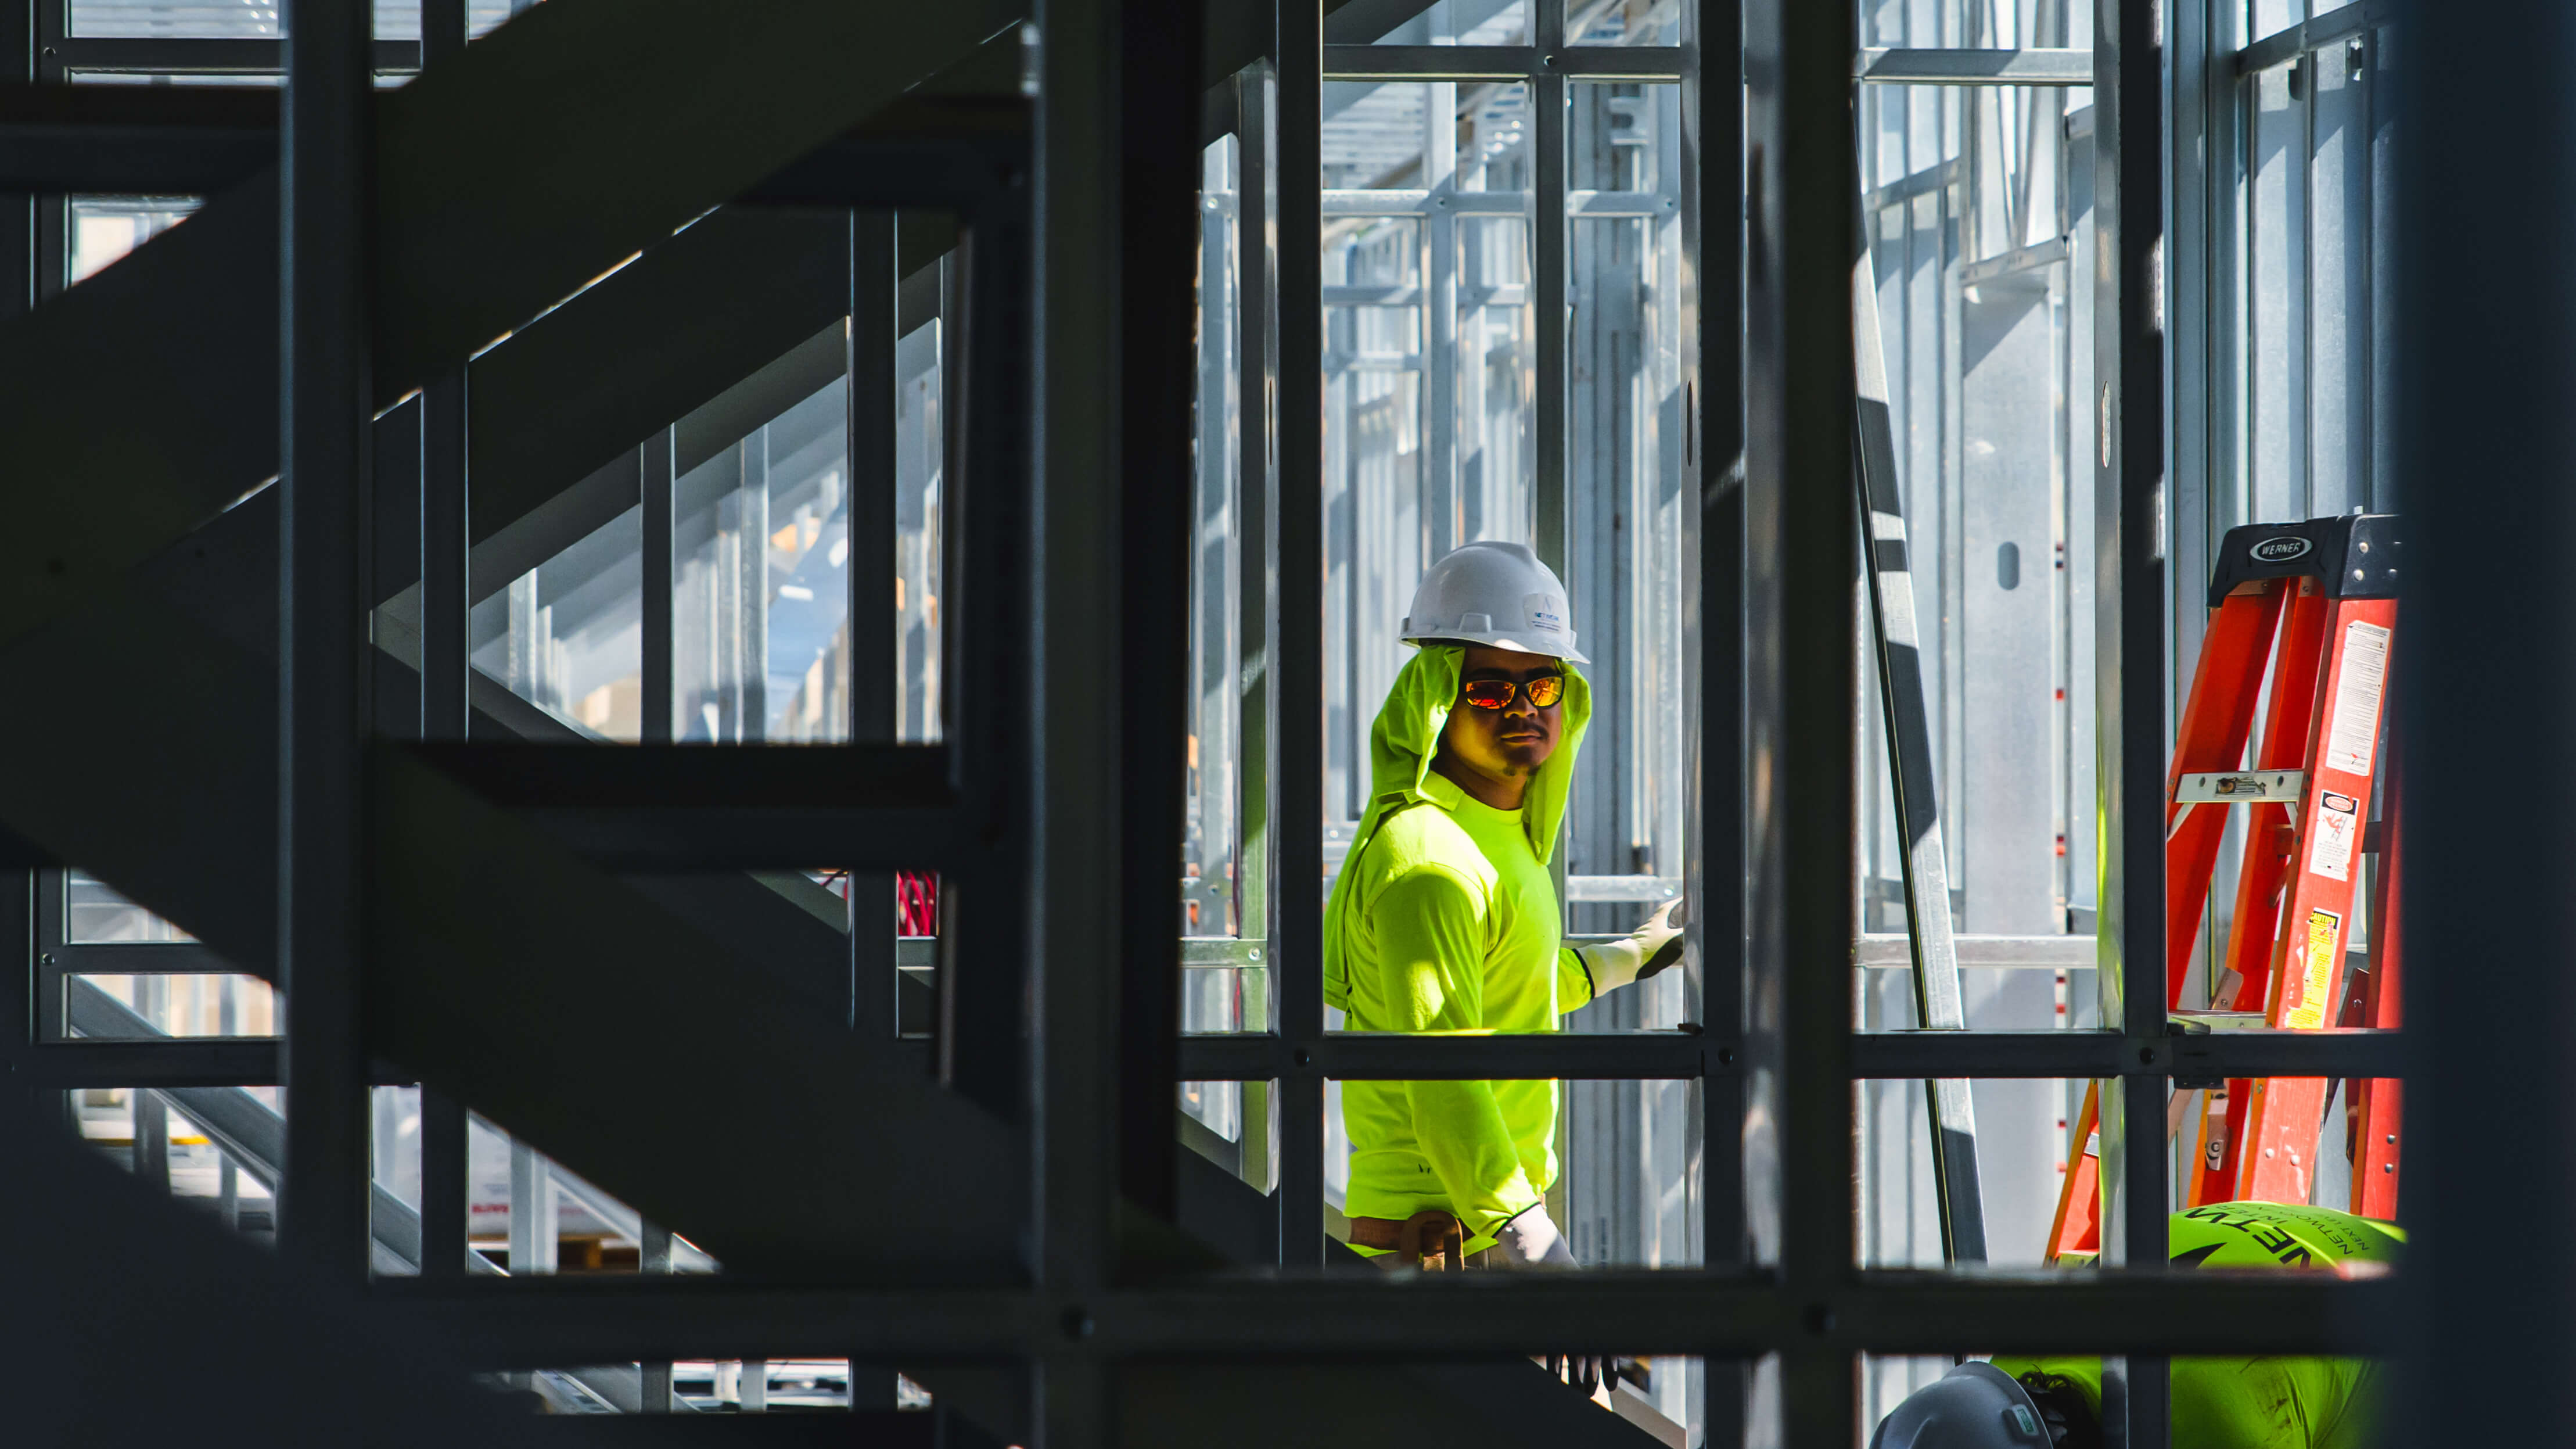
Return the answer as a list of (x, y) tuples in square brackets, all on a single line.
[(1496, 594)]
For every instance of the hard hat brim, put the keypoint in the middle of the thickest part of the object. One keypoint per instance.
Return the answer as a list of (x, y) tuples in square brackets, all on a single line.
[(1490, 640)]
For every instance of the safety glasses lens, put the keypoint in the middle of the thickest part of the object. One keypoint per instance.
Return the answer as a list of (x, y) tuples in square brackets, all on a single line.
[(1496, 693)]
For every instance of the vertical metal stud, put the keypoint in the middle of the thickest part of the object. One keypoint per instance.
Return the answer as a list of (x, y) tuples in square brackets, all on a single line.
[(324, 653)]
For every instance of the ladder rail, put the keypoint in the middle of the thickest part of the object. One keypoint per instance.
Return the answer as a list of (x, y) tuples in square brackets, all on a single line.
[(1938, 1001)]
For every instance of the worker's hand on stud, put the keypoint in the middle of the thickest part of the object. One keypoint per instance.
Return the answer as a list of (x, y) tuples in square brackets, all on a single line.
[(1530, 1240), (1649, 949)]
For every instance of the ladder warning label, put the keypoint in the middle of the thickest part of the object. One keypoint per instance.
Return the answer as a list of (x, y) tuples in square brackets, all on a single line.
[(2325, 934), (2338, 828), (2354, 736)]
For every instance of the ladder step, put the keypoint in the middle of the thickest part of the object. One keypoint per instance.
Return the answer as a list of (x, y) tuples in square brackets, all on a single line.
[(2243, 787)]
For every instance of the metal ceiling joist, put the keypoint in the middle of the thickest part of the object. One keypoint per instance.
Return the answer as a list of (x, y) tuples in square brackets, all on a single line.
[(141, 396)]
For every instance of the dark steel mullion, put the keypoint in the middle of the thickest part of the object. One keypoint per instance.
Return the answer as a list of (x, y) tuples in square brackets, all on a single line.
[(509, 1323), (446, 709), (446, 595), (1256, 458), (2301, 187), (50, 215), (19, 944), (160, 54), (655, 708), (48, 959), (124, 958), (444, 30), (1388, 1056), (2363, 335), (1548, 283), (206, 1062), (1712, 186), (1296, 612), (1800, 522), (874, 330), (323, 649), (1257, 359), (986, 621), (2489, 355), (19, 49), (2130, 659), (1505, 63)]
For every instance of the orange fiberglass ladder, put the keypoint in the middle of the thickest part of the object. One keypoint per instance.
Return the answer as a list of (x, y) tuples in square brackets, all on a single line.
[(2317, 603)]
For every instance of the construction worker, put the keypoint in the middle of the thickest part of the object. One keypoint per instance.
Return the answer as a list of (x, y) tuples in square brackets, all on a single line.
[(1444, 918), (2218, 1403)]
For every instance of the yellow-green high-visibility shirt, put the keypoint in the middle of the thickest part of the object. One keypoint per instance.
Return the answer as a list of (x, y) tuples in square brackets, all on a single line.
[(2266, 1402), (1454, 928)]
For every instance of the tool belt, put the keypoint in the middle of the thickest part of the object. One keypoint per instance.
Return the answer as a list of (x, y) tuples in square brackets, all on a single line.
[(1432, 1240)]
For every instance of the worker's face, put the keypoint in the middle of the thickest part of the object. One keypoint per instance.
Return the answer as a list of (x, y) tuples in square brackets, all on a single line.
[(1513, 741)]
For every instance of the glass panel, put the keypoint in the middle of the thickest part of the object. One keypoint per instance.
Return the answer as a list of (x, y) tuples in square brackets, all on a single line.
[(192, 19), (94, 912), (1208, 852), (2339, 296), (193, 1168), (1629, 564), (919, 447), (1491, 391), (105, 228), (2023, 1132), (1375, 135), (592, 1231), (761, 607), (1624, 22), (568, 635), (187, 1005), (247, 19), (1446, 22), (2276, 360), (2385, 496), (2269, 16)]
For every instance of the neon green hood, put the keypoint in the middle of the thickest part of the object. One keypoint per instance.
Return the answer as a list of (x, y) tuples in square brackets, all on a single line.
[(1401, 747)]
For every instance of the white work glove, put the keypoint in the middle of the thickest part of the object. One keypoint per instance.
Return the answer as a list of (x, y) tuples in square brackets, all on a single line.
[(1530, 1240), (1649, 949)]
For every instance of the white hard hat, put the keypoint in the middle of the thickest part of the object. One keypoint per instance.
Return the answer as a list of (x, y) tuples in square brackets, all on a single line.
[(1496, 594)]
